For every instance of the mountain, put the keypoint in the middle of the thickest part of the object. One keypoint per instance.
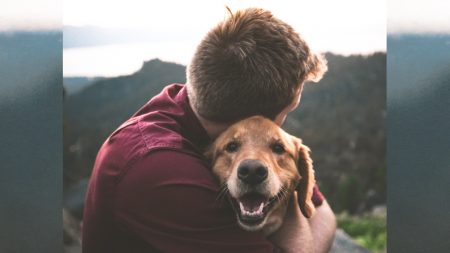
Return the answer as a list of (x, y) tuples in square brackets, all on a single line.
[(413, 61), (77, 83), (30, 140), (342, 119), (93, 113), (28, 56), (419, 144)]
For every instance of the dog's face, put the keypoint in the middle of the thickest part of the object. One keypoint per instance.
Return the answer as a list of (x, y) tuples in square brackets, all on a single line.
[(260, 166)]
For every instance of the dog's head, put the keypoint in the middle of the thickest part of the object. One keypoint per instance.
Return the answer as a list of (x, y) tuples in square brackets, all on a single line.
[(260, 166)]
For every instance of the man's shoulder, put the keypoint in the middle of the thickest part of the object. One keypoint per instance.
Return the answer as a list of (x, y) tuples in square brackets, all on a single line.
[(145, 169), (169, 166), (127, 148), (136, 138)]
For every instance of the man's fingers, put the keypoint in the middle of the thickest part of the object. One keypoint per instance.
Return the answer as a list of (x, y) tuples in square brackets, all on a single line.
[(293, 209)]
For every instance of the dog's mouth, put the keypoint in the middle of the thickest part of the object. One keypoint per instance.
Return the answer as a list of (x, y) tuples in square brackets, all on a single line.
[(252, 208)]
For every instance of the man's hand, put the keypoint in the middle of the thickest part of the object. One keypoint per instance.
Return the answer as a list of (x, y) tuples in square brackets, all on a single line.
[(301, 235)]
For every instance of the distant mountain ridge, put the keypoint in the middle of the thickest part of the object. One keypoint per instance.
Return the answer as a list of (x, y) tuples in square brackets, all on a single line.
[(93, 113), (415, 60), (341, 119), (419, 144), (26, 56), (74, 84)]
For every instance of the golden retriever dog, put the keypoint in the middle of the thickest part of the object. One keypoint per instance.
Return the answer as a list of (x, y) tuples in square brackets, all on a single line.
[(259, 166)]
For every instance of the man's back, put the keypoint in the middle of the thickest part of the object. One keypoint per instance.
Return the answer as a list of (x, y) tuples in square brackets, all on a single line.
[(151, 189)]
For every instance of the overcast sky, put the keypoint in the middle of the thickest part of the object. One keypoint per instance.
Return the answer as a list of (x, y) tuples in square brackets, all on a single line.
[(30, 14), (403, 15), (346, 26), (423, 16)]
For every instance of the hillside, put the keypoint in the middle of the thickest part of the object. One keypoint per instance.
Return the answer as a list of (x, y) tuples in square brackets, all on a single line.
[(341, 119), (75, 84), (418, 137), (414, 62), (92, 114), (30, 140), (28, 56)]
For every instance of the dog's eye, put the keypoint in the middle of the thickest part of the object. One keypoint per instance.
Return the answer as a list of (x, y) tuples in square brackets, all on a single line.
[(278, 148), (232, 147)]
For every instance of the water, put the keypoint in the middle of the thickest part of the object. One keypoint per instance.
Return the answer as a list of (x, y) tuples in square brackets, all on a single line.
[(122, 59)]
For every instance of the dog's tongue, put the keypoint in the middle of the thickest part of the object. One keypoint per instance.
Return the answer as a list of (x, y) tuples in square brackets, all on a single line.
[(252, 204)]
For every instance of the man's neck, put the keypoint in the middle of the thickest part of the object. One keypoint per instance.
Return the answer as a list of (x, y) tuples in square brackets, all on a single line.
[(213, 129)]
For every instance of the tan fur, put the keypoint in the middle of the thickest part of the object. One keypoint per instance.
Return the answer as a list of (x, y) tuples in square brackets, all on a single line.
[(291, 169)]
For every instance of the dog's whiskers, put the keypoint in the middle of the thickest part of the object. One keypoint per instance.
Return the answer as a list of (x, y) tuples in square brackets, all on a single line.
[(223, 192), (282, 194)]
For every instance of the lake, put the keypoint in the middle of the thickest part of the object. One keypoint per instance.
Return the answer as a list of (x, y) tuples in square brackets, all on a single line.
[(122, 59)]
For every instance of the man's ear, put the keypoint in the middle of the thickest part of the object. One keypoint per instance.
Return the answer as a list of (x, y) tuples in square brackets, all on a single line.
[(307, 181)]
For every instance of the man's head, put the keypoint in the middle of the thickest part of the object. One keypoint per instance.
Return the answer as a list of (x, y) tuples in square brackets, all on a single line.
[(250, 64)]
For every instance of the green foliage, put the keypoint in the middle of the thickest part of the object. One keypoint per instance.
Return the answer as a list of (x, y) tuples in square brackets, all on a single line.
[(368, 230), (349, 195)]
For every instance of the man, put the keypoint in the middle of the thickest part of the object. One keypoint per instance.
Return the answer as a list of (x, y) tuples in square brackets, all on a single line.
[(152, 189)]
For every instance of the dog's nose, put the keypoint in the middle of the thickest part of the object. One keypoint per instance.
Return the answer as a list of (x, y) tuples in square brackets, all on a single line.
[(252, 172)]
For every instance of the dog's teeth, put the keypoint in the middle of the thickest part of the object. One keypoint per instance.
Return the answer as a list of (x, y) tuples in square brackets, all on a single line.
[(241, 206), (251, 213), (260, 209)]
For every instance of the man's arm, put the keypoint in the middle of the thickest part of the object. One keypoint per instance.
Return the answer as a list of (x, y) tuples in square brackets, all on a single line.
[(301, 235), (323, 228)]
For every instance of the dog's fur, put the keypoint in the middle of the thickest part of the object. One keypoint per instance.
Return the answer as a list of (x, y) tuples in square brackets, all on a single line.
[(289, 168)]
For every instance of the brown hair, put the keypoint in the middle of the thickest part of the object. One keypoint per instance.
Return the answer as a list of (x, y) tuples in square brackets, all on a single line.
[(249, 64)]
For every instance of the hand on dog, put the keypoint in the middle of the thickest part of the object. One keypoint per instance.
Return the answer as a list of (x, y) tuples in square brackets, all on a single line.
[(294, 235)]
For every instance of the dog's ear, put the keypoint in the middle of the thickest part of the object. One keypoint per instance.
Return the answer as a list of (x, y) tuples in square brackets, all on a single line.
[(306, 184), (209, 152)]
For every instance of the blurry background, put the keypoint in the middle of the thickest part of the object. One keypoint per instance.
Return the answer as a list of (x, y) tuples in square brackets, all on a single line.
[(30, 126), (117, 55), (419, 126), (121, 39)]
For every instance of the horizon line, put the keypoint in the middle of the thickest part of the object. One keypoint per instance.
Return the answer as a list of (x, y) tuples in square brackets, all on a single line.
[(173, 62)]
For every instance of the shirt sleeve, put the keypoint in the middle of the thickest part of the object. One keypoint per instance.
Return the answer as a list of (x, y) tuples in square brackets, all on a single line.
[(317, 197), (171, 201)]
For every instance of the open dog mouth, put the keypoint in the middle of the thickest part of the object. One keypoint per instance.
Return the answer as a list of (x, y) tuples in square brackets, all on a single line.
[(252, 208)]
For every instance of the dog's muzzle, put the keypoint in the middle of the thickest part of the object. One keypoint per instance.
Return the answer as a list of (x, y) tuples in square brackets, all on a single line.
[(252, 172), (252, 175)]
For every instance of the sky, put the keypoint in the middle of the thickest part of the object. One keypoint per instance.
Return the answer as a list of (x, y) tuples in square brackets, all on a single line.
[(418, 16), (30, 14), (345, 26), (342, 27)]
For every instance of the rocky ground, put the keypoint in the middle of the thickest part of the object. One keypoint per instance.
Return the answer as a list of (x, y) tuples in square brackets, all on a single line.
[(343, 243)]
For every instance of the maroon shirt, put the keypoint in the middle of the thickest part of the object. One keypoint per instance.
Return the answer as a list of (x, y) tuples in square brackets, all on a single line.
[(152, 190)]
